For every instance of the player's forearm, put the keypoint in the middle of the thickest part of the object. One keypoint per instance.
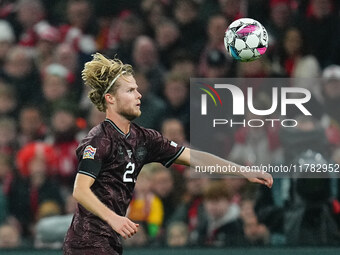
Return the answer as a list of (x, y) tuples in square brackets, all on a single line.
[(89, 200), (200, 160)]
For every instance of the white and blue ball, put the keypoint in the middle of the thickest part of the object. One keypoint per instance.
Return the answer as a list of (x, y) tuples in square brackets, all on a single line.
[(246, 39)]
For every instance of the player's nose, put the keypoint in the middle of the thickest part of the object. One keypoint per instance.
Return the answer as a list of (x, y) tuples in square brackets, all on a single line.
[(139, 95)]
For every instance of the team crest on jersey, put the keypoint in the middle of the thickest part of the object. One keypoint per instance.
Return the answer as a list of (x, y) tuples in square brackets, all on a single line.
[(89, 152), (120, 153), (141, 153)]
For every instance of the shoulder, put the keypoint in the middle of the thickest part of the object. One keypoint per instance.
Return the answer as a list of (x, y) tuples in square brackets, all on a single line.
[(98, 132), (142, 131), (98, 136)]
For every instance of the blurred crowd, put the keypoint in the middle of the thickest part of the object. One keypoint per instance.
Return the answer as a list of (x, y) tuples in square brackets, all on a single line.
[(45, 112)]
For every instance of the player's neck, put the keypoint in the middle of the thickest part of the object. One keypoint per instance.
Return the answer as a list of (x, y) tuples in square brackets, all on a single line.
[(121, 122)]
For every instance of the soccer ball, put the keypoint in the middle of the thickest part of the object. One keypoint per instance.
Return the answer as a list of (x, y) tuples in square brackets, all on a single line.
[(246, 39)]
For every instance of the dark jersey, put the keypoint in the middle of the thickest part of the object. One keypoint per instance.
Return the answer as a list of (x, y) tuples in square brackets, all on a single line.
[(114, 160)]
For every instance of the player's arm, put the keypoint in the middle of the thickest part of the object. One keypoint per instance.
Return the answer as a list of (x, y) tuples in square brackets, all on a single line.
[(199, 158), (83, 194)]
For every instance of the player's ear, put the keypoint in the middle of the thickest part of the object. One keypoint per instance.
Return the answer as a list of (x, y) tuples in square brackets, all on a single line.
[(109, 98)]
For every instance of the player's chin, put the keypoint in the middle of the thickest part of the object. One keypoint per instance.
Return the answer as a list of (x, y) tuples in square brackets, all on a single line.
[(133, 115), (138, 113)]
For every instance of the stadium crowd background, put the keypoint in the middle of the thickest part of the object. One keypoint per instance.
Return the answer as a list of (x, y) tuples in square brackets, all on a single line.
[(44, 112)]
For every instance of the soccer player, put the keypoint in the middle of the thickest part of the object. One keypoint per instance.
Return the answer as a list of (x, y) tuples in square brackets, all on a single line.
[(112, 155)]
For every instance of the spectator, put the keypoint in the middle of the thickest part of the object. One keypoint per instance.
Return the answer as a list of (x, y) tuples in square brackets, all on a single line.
[(183, 63), (320, 21), (8, 101), (47, 41), (30, 24), (256, 69), (231, 9), (176, 93), (9, 237), (310, 218), (190, 210), (95, 117), (152, 106), (8, 132), (236, 187), (186, 15), (31, 125), (19, 71), (66, 56), (255, 233), (308, 134), (216, 28), (36, 163), (48, 209), (81, 28), (163, 187), (7, 39), (145, 58), (173, 129), (153, 12), (260, 14), (280, 19), (127, 28), (85, 103), (257, 146), (168, 41), (63, 138), (6, 174), (56, 87), (217, 65), (145, 206), (331, 93), (3, 206), (177, 235), (223, 226), (6, 178), (51, 230), (296, 62)]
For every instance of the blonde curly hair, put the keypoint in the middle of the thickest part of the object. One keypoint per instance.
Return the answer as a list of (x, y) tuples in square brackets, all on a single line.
[(99, 74)]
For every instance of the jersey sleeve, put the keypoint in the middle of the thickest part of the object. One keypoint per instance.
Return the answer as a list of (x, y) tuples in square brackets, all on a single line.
[(160, 149), (91, 156)]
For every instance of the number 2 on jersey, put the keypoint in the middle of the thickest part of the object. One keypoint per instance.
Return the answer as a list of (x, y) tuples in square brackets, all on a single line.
[(130, 168)]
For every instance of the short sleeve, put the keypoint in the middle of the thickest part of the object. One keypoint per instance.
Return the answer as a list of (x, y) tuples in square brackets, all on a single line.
[(160, 149), (91, 155)]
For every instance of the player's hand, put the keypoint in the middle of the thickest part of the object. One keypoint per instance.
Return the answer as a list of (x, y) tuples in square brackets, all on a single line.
[(261, 177), (123, 226)]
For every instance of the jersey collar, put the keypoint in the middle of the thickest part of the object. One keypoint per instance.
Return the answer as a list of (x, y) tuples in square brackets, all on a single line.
[(117, 128)]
